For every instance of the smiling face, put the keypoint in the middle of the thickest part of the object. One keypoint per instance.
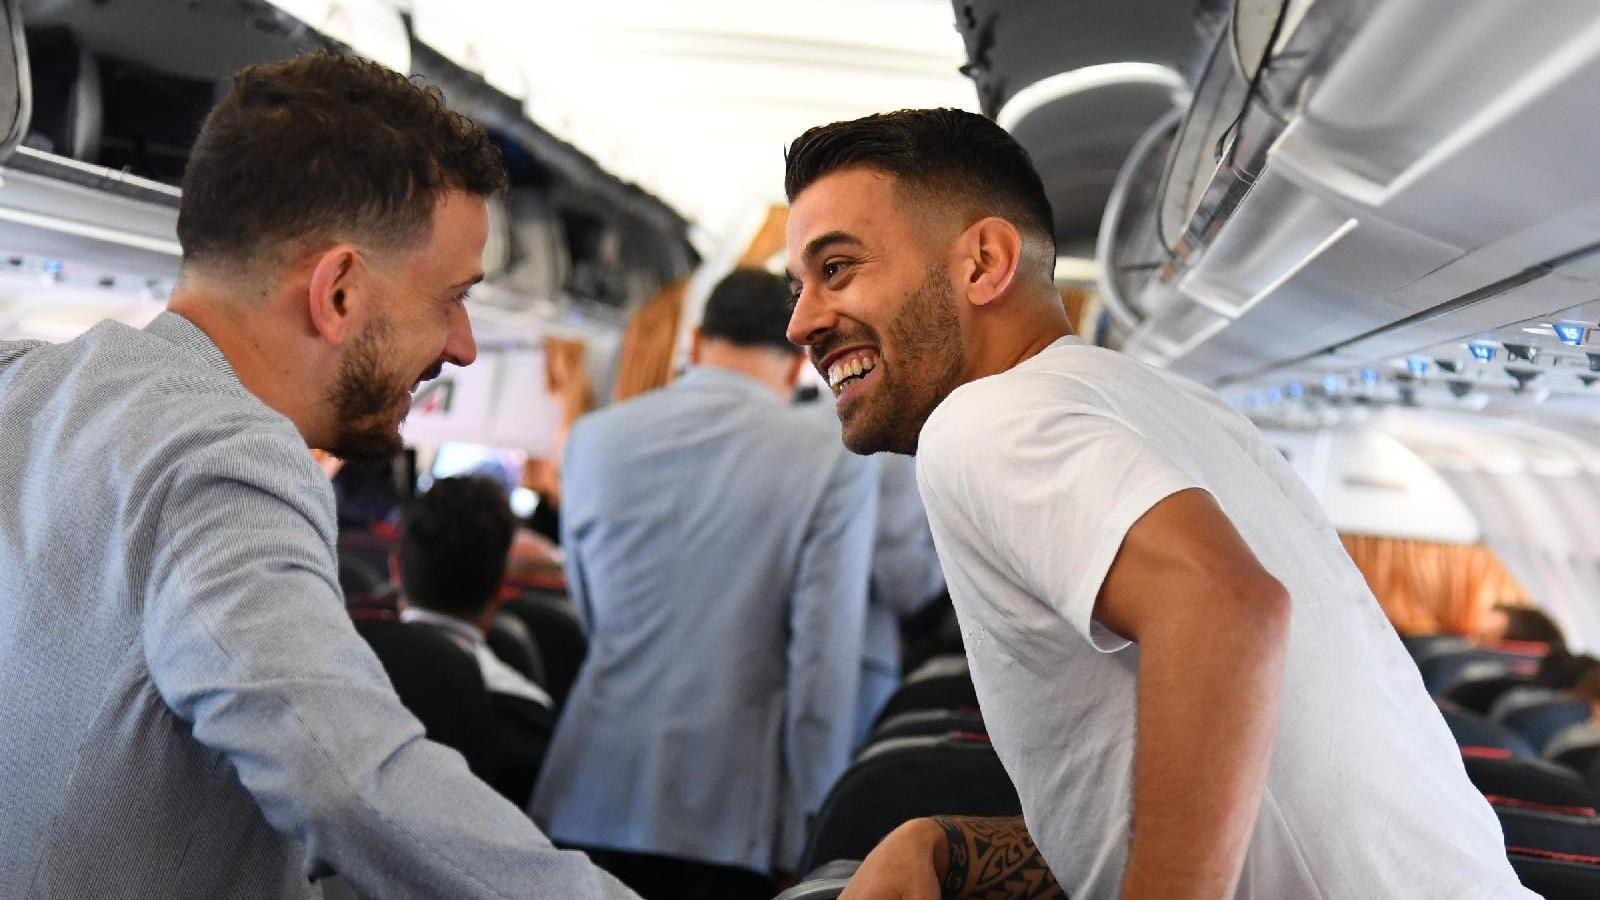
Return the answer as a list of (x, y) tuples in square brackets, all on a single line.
[(417, 323), (875, 306)]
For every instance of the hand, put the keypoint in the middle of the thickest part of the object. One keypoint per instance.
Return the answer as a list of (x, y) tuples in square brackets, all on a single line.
[(904, 866)]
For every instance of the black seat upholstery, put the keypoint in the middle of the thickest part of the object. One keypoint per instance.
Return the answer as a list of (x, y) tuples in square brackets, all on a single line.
[(898, 780), (1539, 714), (438, 682), (826, 883), (1474, 732), (1577, 748), (1442, 670), (944, 682), (1423, 646), (558, 635), (1477, 691), (1574, 832), (1558, 876), (511, 641), (928, 723), (1530, 781)]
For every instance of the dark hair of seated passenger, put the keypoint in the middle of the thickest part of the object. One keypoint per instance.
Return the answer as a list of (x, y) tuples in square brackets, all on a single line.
[(749, 308), (1524, 623), (454, 541), (326, 146), (943, 156), (1588, 686)]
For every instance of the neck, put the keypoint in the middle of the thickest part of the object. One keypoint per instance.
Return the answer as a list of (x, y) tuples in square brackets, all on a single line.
[(251, 339), (766, 366), (1027, 327)]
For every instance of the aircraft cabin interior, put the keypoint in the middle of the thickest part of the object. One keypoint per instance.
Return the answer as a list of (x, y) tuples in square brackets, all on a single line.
[(1370, 227)]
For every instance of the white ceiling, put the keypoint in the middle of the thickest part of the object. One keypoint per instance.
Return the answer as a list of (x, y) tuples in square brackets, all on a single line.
[(694, 100)]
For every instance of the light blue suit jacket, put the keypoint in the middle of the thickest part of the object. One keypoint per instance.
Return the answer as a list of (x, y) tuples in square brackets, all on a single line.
[(718, 546)]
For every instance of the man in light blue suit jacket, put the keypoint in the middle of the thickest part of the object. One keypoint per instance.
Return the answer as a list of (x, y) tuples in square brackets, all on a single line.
[(719, 547)]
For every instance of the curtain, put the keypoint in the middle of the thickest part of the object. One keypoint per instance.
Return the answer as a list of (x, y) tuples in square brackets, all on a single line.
[(1428, 588), (568, 379), (648, 343)]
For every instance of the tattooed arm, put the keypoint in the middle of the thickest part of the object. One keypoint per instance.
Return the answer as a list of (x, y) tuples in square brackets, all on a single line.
[(955, 858)]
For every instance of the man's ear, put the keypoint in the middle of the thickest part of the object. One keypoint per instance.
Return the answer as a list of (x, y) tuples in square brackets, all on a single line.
[(990, 252), (797, 364), (336, 278), (696, 347)]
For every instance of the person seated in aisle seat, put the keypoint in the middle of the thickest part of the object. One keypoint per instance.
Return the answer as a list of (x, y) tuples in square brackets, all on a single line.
[(451, 564), (718, 544), (1181, 669), (905, 579), (189, 711)]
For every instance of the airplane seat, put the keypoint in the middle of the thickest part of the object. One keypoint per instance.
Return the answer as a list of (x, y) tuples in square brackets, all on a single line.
[(898, 780), (511, 642), (1557, 876), (943, 682), (1481, 684), (927, 723), (1566, 831), (1476, 733), (1539, 714), (1530, 781), (437, 681), (558, 636), (1577, 748), (68, 109), (1423, 646), (371, 550), (357, 579), (826, 883), (1441, 671)]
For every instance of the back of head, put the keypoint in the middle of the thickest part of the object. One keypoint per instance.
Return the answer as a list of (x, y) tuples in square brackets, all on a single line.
[(749, 308), (325, 147), (1524, 623), (947, 157), (454, 542)]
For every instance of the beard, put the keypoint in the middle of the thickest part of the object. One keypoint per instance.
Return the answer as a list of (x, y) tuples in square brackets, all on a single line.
[(928, 363), (369, 402)]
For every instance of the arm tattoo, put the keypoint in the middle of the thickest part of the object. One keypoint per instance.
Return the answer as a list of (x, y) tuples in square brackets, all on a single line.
[(994, 859)]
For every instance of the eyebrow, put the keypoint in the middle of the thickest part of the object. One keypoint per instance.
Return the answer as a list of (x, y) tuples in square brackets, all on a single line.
[(822, 242)]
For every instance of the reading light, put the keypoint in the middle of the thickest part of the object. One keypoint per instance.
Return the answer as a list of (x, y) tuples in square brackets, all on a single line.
[(1481, 351)]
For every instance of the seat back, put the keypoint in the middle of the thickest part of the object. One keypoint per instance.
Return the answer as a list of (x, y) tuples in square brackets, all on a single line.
[(1442, 670), (438, 682), (1423, 646), (1575, 748), (558, 635), (928, 723), (1558, 876), (511, 641), (1474, 732), (944, 683), (1530, 781), (1478, 689), (898, 780), (1542, 718), (1539, 831)]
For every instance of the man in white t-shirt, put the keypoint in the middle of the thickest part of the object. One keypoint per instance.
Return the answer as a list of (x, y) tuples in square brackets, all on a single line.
[(1187, 679)]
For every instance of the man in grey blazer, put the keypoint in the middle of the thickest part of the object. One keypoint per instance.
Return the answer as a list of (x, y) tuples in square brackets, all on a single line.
[(188, 711), (719, 543)]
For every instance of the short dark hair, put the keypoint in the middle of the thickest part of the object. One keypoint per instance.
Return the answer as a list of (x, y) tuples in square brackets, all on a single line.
[(941, 154), (454, 543), (1524, 623), (749, 308), (326, 145)]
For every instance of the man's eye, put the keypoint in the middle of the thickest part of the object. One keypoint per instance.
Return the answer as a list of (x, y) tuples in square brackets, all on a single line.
[(832, 269), (464, 296)]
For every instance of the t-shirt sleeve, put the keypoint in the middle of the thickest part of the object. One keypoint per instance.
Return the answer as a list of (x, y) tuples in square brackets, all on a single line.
[(1045, 492)]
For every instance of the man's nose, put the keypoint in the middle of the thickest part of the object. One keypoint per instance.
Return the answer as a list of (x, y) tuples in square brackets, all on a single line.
[(460, 347), (810, 320)]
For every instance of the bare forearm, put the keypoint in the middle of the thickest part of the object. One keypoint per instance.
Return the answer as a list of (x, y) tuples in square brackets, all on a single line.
[(993, 859), (1208, 701)]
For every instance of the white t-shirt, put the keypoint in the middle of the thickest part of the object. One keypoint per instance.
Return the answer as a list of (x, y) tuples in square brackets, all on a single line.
[(1031, 480)]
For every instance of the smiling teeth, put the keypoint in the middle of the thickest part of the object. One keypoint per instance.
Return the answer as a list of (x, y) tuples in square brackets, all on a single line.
[(854, 367)]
